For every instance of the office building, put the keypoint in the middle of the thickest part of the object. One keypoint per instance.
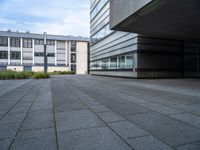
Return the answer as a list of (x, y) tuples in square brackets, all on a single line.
[(139, 39), (25, 52)]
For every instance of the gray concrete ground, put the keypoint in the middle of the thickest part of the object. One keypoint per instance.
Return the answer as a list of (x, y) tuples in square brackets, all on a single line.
[(99, 113)]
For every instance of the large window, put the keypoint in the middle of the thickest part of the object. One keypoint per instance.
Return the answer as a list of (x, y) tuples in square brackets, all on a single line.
[(119, 62), (73, 58), (50, 42), (3, 54), (105, 63), (3, 41), (113, 63), (27, 43), (39, 42), (101, 34), (15, 55), (129, 61), (73, 46), (97, 8), (50, 54), (39, 54), (15, 42)]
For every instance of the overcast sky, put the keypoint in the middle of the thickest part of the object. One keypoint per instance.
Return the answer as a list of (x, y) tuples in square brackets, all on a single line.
[(62, 17)]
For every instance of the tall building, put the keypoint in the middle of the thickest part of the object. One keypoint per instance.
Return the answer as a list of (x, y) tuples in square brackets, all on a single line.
[(144, 41), (25, 51)]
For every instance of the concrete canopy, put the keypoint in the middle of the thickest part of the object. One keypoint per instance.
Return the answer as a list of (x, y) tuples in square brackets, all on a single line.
[(166, 18)]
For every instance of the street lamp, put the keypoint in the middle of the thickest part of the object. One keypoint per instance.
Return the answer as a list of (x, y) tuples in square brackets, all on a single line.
[(45, 52)]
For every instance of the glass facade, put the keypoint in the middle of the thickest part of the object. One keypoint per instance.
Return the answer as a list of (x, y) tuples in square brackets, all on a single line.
[(101, 34), (118, 62), (97, 8), (15, 42), (3, 54), (3, 41), (27, 43), (15, 55)]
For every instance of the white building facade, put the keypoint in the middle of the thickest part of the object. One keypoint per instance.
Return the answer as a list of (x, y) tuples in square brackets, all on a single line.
[(25, 52)]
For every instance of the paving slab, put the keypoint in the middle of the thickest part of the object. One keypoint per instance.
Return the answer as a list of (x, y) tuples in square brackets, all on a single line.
[(8, 130), (127, 129), (13, 118), (148, 143), (161, 108), (169, 130), (191, 146), (39, 119), (35, 140), (194, 120), (91, 139), (75, 120), (110, 117), (22, 107), (4, 144), (100, 108)]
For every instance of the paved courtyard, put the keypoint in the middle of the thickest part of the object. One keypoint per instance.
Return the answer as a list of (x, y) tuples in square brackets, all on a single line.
[(99, 113)]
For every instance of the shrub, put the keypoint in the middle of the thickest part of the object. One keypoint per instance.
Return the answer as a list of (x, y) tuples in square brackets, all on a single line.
[(62, 72), (40, 75)]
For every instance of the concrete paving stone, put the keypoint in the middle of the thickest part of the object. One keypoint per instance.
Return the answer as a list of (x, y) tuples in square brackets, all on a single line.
[(13, 118), (8, 130), (169, 130), (91, 139), (161, 108), (194, 120), (127, 129), (39, 119), (22, 107), (100, 108), (76, 120), (65, 106), (189, 108), (37, 105), (2, 112), (191, 146), (4, 144), (35, 140), (128, 108), (50, 132), (110, 117), (148, 143), (90, 101)]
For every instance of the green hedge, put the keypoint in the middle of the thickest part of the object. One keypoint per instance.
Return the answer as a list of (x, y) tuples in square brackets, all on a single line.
[(61, 72), (5, 75), (40, 75), (13, 75), (9, 74)]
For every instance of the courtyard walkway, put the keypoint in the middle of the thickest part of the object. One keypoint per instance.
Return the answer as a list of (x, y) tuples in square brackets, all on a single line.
[(79, 112)]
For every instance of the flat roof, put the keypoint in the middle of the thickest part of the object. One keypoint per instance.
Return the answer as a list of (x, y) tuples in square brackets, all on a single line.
[(40, 36)]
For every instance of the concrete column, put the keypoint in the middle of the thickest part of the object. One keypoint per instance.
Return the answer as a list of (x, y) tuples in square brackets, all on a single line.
[(55, 53), (69, 54), (66, 53), (117, 62), (8, 50), (21, 48), (33, 50), (108, 63)]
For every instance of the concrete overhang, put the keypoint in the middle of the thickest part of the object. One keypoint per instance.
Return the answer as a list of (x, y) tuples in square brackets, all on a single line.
[(166, 18)]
